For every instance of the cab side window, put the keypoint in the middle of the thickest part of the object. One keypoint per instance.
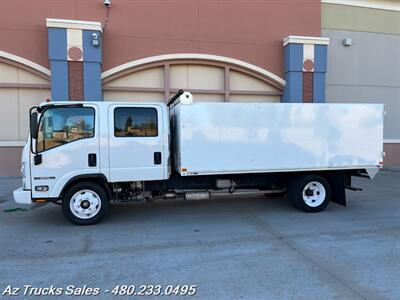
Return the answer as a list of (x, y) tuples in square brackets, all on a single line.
[(62, 125), (135, 122)]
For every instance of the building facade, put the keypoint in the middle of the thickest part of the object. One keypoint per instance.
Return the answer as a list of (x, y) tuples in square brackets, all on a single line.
[(264, 51), (364, 60)]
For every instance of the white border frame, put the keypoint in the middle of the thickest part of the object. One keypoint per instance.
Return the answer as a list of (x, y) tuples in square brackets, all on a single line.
[(12, 143), (26, 62), (391, 141), (310, 40), (381, 4), (73, 24)]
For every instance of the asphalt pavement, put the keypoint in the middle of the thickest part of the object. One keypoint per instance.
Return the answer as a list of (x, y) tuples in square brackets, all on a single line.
[(229, 247)]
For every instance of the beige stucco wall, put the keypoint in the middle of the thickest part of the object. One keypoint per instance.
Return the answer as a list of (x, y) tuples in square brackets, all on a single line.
[(368, 70), (19, 91), (17, 95), (206, 82), (345, 17)]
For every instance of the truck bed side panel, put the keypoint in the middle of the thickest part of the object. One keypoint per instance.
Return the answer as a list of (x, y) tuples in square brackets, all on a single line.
[(218, 138)]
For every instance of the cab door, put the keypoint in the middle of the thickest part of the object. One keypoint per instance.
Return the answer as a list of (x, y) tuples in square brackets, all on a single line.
[(136, 142), (67, 145)]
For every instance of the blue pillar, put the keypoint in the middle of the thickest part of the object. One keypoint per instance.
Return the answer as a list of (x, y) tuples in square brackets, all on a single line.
[(92, 60), (58, 63), (75, 54), (305, 68), (293, 91), (321, 62)]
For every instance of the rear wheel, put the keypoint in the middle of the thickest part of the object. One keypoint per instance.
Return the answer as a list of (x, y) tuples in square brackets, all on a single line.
[(85, 203), (310, 193)]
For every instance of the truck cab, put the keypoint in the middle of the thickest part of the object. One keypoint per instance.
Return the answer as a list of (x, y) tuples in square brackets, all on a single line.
[(75, 141)]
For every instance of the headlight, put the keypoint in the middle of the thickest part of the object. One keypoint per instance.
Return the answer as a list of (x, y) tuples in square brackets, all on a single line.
[(23, 175), (23, 169)]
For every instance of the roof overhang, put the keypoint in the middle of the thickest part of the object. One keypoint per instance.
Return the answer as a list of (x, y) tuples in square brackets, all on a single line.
[(294, 39), (73, 24)]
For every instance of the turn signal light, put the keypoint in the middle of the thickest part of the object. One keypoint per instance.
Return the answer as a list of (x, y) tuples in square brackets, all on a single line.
[(39, 200)]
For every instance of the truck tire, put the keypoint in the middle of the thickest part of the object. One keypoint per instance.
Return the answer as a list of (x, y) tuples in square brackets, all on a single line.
[(310, 193), (85, 203)]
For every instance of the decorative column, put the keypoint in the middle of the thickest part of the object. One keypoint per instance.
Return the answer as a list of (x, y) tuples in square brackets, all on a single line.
[(75, 60), (305, 68)]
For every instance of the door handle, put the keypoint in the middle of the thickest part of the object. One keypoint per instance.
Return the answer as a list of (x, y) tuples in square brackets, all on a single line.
[(157, 158), (92, 161), (37, 159)]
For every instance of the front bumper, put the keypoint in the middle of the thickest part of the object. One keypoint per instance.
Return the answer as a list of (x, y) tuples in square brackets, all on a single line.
[(22, 196)]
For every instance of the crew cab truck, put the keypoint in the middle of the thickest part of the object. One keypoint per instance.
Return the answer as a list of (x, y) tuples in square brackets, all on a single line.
[(83, 155)]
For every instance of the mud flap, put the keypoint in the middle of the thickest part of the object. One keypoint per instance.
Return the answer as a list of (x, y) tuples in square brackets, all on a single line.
[(337, 181)]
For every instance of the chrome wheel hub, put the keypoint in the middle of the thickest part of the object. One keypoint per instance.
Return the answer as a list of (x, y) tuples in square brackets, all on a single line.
[(314, 194), (85, 204)]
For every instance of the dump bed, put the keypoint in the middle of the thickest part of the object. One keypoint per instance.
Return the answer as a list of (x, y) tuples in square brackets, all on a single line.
[(221, 138)]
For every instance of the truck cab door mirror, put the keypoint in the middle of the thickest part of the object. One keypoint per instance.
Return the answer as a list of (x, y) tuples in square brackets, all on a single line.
[(33, 125)]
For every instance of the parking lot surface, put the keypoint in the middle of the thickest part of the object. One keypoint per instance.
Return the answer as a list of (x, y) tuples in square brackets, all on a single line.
[(231, 247)]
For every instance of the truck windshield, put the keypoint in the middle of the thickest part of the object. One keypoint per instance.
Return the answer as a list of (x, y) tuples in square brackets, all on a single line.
[(61, 125)]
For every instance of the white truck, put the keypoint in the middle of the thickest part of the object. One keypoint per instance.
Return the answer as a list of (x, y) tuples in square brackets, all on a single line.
[(83, 155)]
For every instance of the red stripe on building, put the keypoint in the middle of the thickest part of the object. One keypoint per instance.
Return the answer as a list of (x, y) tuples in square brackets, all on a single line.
[(75, 80), (308, 87)]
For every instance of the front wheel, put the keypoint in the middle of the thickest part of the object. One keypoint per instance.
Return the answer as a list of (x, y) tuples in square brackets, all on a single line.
[(85, 203), (310, 193)]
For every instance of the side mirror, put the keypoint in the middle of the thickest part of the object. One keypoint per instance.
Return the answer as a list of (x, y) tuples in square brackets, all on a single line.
[(33, 125)]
